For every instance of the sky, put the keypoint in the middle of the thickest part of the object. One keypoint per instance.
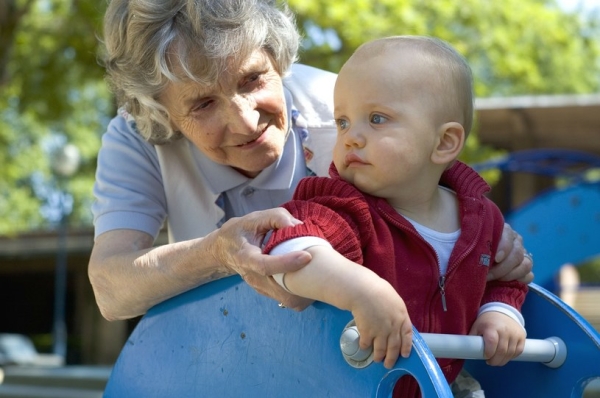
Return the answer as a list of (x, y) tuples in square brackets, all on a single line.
[(571, 5)]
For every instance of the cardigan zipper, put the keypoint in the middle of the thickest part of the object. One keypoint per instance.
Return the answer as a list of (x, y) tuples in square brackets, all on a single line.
[(442, 278), (442, 285)]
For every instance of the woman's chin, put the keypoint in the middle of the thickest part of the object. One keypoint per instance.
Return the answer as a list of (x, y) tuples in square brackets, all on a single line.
[(254, 168)]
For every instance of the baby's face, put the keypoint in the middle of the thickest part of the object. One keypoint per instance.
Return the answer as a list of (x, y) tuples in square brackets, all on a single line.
[(386, 124)]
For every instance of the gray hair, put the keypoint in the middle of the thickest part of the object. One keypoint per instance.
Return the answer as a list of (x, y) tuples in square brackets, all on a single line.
[(150, 43)]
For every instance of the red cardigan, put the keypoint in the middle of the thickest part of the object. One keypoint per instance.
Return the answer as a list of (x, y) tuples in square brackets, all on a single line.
[(367, 230)]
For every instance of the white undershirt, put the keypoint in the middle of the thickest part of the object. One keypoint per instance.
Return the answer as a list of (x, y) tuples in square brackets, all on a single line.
[(442, 242)]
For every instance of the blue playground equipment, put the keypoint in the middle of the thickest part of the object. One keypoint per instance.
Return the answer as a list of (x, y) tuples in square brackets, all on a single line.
[(225, 340), (567, 217)]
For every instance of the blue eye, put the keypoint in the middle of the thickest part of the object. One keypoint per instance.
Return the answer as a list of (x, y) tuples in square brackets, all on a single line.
[(378, 119), (341, 123)]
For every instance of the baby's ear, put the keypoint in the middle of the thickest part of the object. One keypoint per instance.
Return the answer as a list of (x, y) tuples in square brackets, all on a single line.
[(451, 139)]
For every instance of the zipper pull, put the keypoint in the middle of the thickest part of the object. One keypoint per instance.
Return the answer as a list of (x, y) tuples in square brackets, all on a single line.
[(441, 284)]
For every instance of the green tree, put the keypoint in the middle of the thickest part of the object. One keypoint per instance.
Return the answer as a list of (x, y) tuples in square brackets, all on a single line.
[(52, 88), (51, 91), (514, 46)]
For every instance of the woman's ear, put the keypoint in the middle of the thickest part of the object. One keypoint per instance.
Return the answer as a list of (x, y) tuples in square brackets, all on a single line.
[(451, 139)]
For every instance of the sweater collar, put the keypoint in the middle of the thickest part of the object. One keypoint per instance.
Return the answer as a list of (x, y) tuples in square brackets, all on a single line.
[(461, 178), (464, 180)]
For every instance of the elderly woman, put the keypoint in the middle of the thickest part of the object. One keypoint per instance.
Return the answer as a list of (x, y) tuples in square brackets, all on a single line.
[(217, 125)]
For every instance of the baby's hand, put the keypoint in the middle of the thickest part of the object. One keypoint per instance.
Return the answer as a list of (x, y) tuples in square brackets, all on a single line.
[(503, 337), (383, 322)]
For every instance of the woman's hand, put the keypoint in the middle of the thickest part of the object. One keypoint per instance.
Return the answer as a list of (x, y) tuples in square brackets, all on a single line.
[(512, 261), (237, 245)]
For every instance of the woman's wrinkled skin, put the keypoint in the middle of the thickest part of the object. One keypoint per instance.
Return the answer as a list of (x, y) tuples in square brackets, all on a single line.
[(240, 122)]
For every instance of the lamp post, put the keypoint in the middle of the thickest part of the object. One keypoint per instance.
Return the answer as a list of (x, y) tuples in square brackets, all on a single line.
[(64, 162)]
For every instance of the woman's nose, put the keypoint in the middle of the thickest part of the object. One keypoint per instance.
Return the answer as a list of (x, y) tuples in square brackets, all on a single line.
[(242, 115)]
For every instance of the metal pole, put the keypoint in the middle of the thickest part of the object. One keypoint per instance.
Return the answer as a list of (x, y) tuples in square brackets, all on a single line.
[(552, 351), (65, 162), (59, 332)]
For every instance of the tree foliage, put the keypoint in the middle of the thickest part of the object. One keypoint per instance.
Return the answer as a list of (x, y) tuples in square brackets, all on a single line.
[(514, 46), (52, 89)]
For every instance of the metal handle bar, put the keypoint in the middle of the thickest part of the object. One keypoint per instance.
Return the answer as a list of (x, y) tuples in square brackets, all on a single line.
[(552, 351)]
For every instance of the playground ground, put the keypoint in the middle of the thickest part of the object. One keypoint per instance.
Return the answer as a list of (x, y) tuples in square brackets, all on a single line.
[(89, 382)]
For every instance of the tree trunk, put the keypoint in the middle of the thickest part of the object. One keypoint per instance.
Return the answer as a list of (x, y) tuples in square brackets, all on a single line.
[(10, 17)]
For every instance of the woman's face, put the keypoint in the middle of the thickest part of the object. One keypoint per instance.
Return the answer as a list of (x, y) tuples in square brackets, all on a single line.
[(240, 122)]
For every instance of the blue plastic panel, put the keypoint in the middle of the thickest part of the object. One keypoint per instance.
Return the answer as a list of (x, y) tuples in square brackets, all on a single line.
[(225, 340), (559, 227)]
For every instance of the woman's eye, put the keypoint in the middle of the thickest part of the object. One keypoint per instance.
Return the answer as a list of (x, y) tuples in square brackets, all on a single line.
[(251, 80), (378, 119), (341, 123), (202, 105)]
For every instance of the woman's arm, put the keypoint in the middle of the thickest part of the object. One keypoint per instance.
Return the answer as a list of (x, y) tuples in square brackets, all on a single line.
[(129, 276)]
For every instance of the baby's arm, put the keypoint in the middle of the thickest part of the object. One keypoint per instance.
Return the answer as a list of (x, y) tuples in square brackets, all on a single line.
[(503, 337), (380, 314)]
